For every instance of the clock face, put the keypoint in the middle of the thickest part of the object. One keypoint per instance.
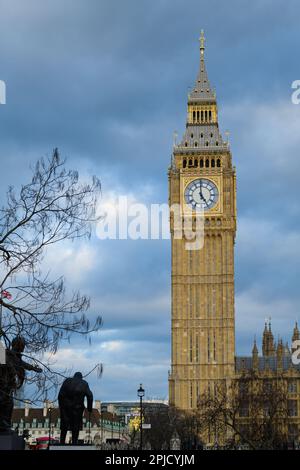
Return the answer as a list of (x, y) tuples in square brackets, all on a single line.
[(201, 194)]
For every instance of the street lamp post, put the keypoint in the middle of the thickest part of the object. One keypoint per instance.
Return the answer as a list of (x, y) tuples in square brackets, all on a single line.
[(141, 394), (49, 433), (101, 429)]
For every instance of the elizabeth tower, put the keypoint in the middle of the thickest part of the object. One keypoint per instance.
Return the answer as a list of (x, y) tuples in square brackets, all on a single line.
[(202, 177)]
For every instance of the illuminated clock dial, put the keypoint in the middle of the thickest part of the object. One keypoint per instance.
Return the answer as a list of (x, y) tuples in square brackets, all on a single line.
[(201, 194)]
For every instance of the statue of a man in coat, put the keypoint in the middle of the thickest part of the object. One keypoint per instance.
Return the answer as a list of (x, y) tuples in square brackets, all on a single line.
[(71, 404)]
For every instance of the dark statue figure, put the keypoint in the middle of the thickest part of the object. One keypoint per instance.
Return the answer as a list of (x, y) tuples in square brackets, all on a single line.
[(71, 404), (12, 376)]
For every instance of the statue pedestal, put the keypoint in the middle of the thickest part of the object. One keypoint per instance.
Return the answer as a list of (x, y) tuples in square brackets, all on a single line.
[(11, 442)]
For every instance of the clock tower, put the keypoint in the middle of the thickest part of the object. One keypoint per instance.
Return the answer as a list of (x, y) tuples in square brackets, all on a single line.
[(202, 180)]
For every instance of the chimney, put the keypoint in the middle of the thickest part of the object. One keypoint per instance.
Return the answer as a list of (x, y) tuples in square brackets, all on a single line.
[(97, 405), (47, 404)]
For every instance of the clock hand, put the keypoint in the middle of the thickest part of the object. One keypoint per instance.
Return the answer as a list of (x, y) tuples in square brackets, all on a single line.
[(201, 194), (202, 197)]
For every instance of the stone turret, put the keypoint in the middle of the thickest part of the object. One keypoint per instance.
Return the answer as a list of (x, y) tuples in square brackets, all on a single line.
[(268, 345), (295, 337), (271, 342), (255, 356), (279, 353), (265, 341)]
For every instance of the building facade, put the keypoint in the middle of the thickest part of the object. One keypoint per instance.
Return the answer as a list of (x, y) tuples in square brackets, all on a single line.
[(98, 427), (277, 369), (126, 410), (202, 179)]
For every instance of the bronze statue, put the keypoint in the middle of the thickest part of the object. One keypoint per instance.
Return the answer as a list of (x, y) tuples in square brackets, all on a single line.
[(71, 404), (12, 376)]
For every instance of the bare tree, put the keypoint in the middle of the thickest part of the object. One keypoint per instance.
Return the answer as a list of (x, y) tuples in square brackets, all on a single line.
[(165, 421), (54, 207), (252, 411)]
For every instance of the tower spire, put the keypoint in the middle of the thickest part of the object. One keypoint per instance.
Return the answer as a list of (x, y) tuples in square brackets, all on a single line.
[(255, 359), (202, 92), (295, 337), (202, 128), (254, 350), (271, 340), (265, 342)]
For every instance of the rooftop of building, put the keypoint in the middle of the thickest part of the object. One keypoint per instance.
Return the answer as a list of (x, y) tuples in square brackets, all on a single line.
[(272, 363), (28, 415)]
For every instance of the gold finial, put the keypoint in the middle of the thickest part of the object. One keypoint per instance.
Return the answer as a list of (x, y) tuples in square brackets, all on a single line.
[(202, 40)]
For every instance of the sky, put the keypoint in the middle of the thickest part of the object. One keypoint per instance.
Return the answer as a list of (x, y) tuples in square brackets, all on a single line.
[(106, 81)]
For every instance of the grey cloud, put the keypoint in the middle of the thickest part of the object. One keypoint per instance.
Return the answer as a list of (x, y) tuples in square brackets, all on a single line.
[(107, 82)]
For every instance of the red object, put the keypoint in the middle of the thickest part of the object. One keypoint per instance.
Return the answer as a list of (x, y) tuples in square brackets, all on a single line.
[(6, 295), (43, 442)]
